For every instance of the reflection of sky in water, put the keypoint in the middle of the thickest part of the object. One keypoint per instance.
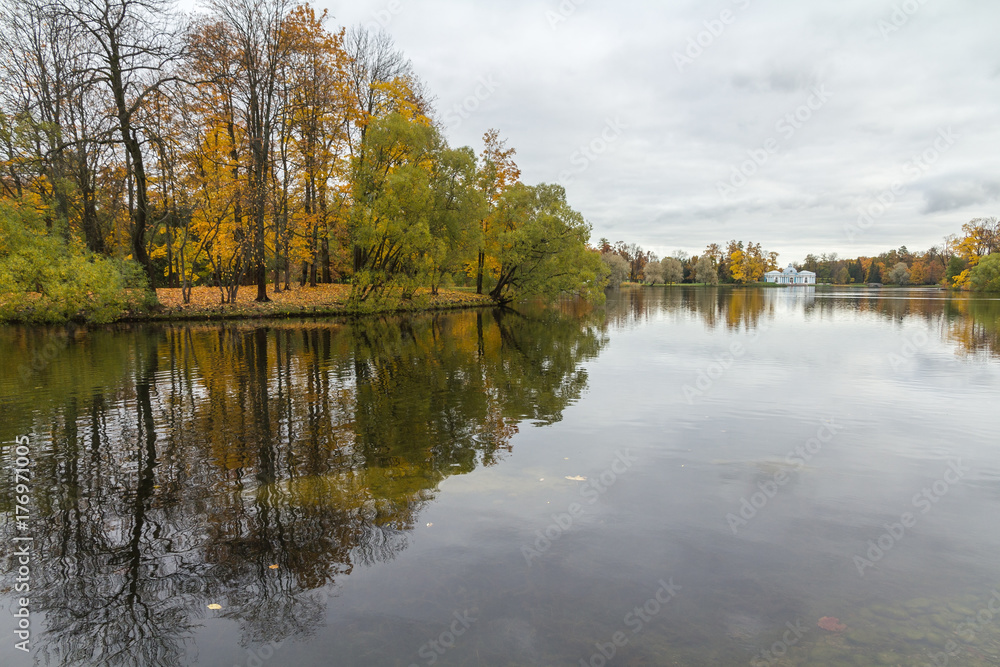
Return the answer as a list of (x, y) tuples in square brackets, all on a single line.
[(906, 397)]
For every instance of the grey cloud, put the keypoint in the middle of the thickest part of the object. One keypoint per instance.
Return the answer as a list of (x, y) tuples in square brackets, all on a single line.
[(959, 194), (657, 185)]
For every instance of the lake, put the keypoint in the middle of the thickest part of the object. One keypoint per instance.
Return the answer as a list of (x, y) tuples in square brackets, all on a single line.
[(685, 476)]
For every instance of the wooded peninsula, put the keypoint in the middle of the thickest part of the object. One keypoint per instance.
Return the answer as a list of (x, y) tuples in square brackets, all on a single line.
[(249, 146)]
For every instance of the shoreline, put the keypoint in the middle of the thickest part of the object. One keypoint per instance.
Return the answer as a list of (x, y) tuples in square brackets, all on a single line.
[(324, 300)]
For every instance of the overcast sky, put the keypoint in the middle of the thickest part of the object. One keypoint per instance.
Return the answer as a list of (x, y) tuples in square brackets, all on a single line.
[(676, 124)]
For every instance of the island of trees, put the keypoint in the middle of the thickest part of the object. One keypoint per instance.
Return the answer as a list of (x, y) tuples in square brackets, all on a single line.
[(248, 146)]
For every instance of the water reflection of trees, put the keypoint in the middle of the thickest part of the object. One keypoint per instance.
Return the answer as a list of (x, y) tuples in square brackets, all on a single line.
[(177, 466), (732, 307), (975, 325), (972, 322)]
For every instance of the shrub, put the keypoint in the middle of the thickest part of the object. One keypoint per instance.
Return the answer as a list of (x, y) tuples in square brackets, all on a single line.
[(45, 279)]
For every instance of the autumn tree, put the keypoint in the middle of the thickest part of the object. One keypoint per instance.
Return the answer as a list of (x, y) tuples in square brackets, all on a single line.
[(373, 59), (52, 143), (981, 237), (497, 174), (216, 156), (261, 46), (133, 47), (38, 70), (616, 266), (313, 144), (377, 73), (652, 274)]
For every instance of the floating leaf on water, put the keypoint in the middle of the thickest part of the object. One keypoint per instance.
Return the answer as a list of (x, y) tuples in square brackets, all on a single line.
[(832, 624), (215, 606), (273, 567)]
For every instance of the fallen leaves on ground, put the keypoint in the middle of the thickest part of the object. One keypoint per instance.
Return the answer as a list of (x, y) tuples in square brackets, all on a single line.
[(300, 300)]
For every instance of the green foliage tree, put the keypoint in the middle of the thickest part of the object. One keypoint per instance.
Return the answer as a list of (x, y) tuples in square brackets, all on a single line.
[(542, 248), (856, 272), (672, 270), (985, 277), (393, 202), (900, 274), (956, 266), (875, 273), (618, 268), (458, 208), (705, 271)]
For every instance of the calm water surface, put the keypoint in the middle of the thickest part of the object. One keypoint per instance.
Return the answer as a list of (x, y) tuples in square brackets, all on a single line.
[(685, 477)]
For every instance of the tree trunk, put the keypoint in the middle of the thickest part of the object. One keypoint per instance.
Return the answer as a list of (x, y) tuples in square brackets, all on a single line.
[(479, 272)]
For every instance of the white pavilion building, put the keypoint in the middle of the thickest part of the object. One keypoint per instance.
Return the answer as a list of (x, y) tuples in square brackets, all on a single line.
[(790, 277)]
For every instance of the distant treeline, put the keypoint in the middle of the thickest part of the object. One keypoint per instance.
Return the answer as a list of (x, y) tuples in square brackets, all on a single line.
[(738, 263), (970, 260)]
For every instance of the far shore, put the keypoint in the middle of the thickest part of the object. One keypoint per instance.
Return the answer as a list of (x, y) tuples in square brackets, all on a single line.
[(776, 285)]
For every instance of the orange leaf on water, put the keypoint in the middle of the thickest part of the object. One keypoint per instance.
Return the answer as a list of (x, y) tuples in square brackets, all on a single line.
[(832, 624)]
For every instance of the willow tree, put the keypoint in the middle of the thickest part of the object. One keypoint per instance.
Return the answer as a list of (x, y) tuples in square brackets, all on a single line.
[(392, 204), (542, 248), (458, 206)]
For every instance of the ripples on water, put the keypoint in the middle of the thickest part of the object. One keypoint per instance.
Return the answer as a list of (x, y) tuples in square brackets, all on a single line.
[(515, 488)]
